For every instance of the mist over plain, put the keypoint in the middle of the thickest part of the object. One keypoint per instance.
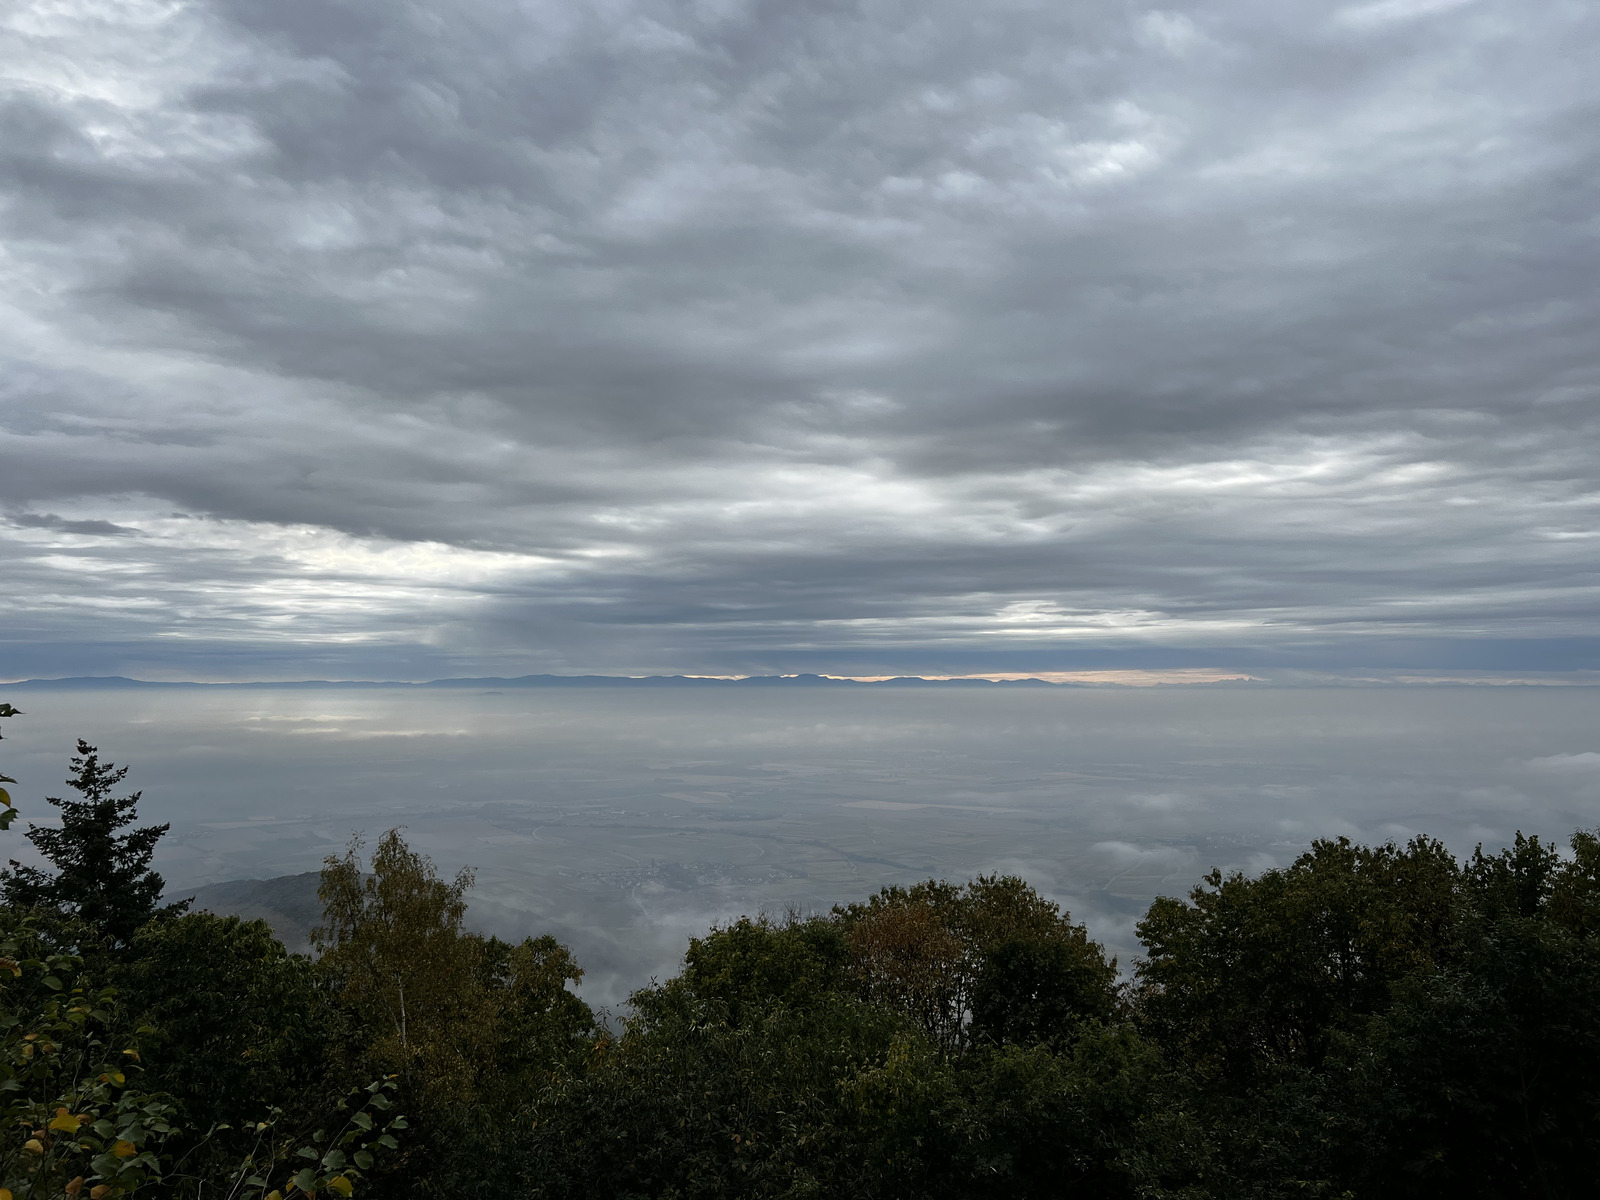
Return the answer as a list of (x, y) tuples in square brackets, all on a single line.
[(627, 821), (380, 339)]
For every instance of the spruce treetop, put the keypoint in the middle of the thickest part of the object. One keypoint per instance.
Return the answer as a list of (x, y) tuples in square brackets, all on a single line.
[(102, 877), (8, 810)]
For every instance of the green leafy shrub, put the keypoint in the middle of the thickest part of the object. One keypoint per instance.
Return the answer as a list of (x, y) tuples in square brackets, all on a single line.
[(71, 1120)]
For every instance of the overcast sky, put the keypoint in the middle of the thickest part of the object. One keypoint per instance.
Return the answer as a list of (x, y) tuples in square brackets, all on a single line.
[(379, 339)]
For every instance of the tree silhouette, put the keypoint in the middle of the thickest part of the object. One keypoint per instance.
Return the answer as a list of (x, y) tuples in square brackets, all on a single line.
[(8, 810), (102, 877)]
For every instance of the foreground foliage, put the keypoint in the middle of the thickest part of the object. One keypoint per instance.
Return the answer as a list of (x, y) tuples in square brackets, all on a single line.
[(1384, 1022), (1369, 1021)]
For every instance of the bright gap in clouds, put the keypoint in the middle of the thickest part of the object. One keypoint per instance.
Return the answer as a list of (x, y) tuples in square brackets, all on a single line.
[(408, 341)]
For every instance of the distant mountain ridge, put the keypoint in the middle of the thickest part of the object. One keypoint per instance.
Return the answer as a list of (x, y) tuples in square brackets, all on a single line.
[(288, 903), (555, 681)]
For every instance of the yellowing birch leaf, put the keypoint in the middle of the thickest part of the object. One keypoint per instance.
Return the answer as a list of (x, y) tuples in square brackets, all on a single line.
[(65, 1122)]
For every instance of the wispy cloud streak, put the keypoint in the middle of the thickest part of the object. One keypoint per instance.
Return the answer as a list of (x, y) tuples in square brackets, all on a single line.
[(373, 336)]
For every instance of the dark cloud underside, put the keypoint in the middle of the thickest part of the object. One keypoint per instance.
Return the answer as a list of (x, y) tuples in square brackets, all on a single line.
[(388, 338)]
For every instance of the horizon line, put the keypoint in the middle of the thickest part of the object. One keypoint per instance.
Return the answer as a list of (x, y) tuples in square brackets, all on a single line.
[(1097, 678), (1089, 678)]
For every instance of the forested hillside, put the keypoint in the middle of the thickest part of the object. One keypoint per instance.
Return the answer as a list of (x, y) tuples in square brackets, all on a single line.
[(1370, 1021)]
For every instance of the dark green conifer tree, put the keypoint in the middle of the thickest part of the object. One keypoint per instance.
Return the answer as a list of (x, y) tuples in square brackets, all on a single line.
[(8, 811), (102, 877)]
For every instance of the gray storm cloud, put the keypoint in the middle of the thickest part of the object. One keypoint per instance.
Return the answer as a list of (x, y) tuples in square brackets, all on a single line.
[(403, 338)]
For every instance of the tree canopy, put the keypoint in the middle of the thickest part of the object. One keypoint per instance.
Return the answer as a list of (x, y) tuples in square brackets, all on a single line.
[(102, 877), (8, 809), (1382, 1022)]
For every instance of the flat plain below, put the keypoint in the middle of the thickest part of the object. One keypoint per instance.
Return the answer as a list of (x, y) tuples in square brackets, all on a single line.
[(626, 820)]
